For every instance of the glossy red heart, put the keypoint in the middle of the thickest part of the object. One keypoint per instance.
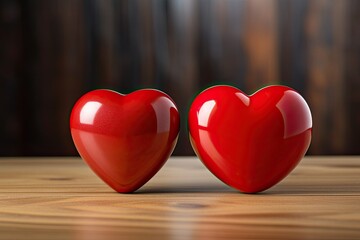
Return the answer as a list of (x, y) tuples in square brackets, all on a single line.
[(125, 139), (250, 142)]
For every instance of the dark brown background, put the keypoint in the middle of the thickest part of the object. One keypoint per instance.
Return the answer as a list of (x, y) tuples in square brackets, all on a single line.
[(52, 52)]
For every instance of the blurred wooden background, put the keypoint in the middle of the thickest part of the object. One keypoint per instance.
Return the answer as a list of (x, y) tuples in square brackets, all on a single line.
[(52, 52)]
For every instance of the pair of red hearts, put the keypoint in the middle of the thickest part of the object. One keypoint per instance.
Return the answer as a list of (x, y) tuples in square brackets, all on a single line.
[(249, 142)]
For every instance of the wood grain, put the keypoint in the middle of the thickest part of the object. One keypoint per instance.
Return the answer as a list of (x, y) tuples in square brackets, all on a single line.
[(42, 198)]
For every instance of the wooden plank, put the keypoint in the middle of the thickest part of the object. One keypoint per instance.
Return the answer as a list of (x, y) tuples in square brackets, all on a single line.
[(326, 28), (62, 199), (68, 76), (183, 68), (261, 48), (291, 43), (11, 63), (352, 73)]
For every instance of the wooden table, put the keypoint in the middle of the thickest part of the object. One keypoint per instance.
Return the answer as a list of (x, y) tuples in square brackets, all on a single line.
[(60, 198)]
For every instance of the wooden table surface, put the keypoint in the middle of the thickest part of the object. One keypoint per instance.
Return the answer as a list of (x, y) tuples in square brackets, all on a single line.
[(60, 198)]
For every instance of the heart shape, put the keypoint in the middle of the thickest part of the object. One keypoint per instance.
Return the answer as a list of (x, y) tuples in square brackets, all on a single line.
[(250, 142), (125, 139)]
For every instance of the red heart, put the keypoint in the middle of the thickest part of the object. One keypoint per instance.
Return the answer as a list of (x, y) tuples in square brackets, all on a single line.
[(250, 142), (125, 139)]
